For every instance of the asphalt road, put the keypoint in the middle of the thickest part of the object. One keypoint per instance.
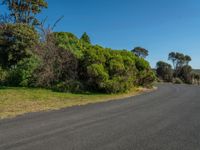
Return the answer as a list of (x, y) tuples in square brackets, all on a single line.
[(166, 119)]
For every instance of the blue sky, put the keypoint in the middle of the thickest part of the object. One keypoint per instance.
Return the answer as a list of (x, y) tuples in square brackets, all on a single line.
[(161, 26)]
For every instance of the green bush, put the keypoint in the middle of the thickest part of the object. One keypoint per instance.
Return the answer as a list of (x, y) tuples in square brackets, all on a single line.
[(118, 85), (164, 71), (141, 64), (18, 41), (97, 76), (69, 86), (22, 74), (116, 65), (146, 78), (70, 42), (66, 63)]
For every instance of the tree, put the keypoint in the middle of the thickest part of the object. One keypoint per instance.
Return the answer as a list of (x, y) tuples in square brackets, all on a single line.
[(185, 74), (25, 11), (85, 38), (140, 52), (164, 71), (58, 64), (172, 57), (17, 40), (179, 60), (187, 59)]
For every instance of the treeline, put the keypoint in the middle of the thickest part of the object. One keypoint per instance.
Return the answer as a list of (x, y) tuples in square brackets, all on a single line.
[(32, 56), (181, 72)]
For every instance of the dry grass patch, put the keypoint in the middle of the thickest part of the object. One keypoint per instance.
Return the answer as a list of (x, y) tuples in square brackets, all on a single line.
[(17, 101)]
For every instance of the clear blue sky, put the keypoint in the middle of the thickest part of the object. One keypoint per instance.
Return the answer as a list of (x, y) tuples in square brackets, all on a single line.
[(161, 26)]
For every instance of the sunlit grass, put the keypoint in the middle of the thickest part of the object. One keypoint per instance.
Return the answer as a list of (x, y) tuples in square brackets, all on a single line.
[(17, 101)]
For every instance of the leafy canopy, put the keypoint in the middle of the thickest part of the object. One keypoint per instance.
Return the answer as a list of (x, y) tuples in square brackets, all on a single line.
[(140, 52), (25, 11)]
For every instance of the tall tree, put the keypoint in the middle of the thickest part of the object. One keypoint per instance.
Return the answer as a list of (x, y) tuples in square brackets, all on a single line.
[(179, 60), (25, 11), (140, 52), (85, 37), (187, 59), (172, 57)]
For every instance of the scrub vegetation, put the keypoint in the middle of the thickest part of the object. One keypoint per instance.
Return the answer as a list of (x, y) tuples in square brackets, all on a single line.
[(51, 70), (181, 72)]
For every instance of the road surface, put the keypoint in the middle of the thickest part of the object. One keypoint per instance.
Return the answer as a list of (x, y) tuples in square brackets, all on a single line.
[(166, 119)]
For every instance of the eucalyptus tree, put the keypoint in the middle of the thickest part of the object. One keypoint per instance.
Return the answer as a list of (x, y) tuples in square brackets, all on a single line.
[(25, 11), (140, 52), (179, 60)]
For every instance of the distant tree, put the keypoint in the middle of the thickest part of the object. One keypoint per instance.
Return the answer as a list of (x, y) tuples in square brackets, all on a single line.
[(164, 71), (25, 11), (179, 60), (185, 74), (172, 57), (140, 52), (187, 59), (85, 37)]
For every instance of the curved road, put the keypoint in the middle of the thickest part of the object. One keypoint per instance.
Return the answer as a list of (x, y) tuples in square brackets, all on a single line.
[(166, 119)]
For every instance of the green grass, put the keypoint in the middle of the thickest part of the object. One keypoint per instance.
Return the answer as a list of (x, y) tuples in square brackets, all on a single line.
[(17, 101)]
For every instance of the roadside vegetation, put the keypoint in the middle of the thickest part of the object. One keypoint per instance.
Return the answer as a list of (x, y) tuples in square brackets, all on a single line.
[(46, 66), (17, 100), (181, 72)]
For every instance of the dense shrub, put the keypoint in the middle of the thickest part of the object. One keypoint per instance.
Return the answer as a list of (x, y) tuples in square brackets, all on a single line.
[(164, 71), (70, 42), (65, 63), (22, 74), (97, 76), (146, 78), (72, 86), (58, 65), (17, 42), (141, 64), (185, 74)]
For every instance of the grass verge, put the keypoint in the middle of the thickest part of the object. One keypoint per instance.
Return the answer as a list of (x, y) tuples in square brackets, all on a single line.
[(18, 101)]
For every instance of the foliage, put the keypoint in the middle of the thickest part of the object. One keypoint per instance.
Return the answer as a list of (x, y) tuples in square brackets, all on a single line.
[(24, 11), (179, 60), (18, 40), (58, 64), (141, 64), (72, 86), (85, 38), (140, 52), (22, 74), (164, 71), (182, 73), (70, 42), (146, 78), (112, 71), (185, 74), (67, 63)]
